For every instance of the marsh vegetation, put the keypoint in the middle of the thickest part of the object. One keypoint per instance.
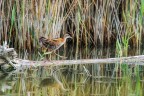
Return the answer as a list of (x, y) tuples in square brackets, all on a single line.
[(99, 28)]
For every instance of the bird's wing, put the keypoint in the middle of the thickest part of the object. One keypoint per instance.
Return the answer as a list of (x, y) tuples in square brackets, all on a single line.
[(50, 44), (58, 41)]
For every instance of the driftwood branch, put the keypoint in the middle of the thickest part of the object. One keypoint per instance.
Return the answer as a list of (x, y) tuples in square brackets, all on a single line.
[(138, 60), (9, 55)]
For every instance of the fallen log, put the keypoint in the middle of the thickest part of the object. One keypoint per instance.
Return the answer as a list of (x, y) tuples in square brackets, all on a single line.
[(138, 60), (8, 55)]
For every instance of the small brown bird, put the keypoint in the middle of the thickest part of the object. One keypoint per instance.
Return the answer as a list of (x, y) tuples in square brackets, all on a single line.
[(53, 44)]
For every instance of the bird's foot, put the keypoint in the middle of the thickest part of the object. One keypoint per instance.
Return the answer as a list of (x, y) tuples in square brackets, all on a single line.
[(63, 57)]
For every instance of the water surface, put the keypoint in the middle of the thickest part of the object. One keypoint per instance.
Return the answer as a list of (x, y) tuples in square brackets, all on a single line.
[(75, 80)]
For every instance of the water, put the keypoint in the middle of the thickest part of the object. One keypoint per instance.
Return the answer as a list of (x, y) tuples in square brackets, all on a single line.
[(76, 80)]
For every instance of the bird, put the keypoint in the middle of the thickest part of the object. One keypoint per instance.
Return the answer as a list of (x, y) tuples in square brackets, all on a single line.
[(53, 44)]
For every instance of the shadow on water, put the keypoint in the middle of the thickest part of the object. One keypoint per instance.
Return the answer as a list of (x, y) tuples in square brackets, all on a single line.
[(76, 80)]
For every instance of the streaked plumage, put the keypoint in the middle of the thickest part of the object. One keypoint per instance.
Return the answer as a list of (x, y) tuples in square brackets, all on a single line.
[(53, 44)]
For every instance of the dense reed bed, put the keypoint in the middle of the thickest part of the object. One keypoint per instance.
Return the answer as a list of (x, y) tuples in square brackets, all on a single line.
[(89, 22), (92, 24)]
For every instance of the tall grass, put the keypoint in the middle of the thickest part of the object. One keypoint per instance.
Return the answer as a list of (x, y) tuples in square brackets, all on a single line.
[(102, 23), (95, 22)]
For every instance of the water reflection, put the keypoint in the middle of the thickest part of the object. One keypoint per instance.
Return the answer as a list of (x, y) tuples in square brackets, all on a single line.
[(50, 81), (79, 80), (6, 82)]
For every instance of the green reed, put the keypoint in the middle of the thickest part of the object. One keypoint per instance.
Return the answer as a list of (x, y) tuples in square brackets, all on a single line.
[(89, 22)]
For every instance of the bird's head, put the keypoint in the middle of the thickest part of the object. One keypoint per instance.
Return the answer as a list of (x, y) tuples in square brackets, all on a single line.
[(67, 36), (41, 40)]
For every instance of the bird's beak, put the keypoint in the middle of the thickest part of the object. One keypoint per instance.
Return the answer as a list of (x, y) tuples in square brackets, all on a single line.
[(70, 37)]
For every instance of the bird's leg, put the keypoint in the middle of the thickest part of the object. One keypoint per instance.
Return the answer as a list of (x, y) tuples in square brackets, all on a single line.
[(44, 54), (60, 56), (41, 56)]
